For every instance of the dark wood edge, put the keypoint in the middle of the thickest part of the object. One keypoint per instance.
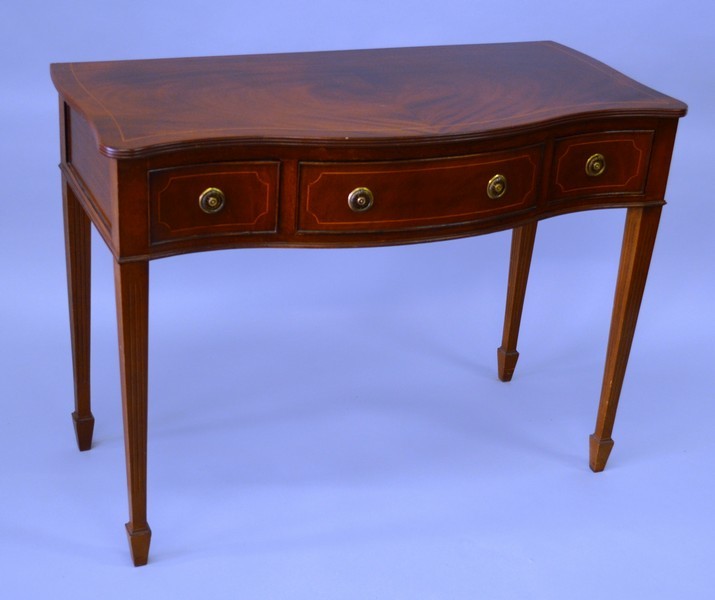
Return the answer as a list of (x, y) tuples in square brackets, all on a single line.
[(384, 142)]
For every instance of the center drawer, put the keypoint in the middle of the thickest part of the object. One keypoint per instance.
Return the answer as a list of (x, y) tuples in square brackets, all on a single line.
[(414, 194)]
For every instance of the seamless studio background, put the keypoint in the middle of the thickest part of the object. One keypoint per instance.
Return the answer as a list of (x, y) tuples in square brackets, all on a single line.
[(328, 424)]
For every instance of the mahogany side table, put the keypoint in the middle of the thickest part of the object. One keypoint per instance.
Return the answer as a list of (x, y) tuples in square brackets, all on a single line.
[(353, 148)]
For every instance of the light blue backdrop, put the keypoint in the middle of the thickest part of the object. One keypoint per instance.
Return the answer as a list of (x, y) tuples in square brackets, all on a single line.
[(329, 424)]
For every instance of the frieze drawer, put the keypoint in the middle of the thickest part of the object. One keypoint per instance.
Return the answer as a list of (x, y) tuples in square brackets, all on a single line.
[(214, 199), (414, 194)]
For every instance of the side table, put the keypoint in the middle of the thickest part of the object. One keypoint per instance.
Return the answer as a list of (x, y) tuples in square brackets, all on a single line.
[(347, 149)]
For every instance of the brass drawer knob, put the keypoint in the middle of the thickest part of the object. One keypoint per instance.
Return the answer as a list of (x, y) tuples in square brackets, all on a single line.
[(212, 200), (496, 187), (595, 165), (360, 199)]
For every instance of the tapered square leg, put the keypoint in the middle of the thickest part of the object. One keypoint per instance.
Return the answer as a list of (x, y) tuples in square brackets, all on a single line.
[(78, 255), (638, 241), (522, 246), (132, 289)]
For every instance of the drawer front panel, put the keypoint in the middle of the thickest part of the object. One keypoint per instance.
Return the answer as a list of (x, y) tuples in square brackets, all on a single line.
[(248, 192), (610, 163), (417, 194)]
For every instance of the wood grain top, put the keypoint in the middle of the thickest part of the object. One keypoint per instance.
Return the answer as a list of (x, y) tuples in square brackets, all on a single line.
[(361, 96)]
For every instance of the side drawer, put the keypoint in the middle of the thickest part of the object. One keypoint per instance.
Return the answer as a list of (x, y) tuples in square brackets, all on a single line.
[(601, 164), (416, 194), (238, 198)]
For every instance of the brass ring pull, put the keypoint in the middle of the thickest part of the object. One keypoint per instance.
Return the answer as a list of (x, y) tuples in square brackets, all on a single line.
[(595, 165), (496, 187), (360, 199), (212, 200)]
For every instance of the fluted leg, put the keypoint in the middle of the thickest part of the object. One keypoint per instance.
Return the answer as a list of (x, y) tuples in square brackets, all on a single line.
[(522, 246), (638, 240), (78, 252), (132, 288)]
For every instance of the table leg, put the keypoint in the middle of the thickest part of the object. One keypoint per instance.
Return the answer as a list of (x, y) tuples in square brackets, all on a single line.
[(132, 289), (78, 252), (522, 246), (638, 240)]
